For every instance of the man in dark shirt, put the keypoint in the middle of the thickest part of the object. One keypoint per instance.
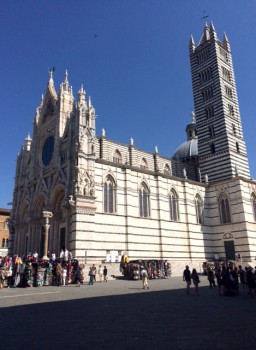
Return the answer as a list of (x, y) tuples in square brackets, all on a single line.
[(187, 278)]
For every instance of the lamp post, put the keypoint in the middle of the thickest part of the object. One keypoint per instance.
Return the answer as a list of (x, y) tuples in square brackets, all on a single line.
[(46, 215)]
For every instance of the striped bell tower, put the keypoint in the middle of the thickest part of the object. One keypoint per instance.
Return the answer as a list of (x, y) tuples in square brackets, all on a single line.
[(221, 146)]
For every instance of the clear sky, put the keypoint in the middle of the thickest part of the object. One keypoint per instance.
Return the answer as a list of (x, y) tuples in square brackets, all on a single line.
[(132, 58)]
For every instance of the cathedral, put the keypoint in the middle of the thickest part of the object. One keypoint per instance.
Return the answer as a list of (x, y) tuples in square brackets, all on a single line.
[(100, 199)]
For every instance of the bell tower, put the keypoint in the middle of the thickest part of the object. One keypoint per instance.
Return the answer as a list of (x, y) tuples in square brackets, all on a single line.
[(221, 146)]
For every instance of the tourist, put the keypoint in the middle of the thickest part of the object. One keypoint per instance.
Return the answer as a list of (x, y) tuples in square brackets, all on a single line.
[(144, 276), (94, 270), (64, 275), (105, 273), (58, 274), (78, 276), (1, 279), (241, 274), (91, 278), (211, 277), (250, 281), (219, 279), (62, 254), (100, 273), (35, 256), (196, 281), (53, 257), (66, 253), (187, 278)]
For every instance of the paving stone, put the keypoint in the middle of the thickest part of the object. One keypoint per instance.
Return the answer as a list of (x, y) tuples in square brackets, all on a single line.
[(120, 315)]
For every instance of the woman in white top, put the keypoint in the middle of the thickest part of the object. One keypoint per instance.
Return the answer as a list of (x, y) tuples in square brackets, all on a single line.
[(100, 272)]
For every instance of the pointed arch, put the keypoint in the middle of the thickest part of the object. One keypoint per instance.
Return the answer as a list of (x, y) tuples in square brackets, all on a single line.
[(253, 201), (144, 164), (57, 199), (174, 205), (109, 195), (117, 158), (39, 205), (167, 170), (144, 200), (199, 209), (224, 209)]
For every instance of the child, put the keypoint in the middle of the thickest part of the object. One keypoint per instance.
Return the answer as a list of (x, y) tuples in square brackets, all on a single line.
[(64, 275)]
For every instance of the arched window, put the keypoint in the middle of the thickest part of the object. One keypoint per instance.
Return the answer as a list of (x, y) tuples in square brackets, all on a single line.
[(5, 243), (117, 158), (144, 201), (167, 170), (237, 147), (212, 147), (211, 131), (174, 207), (143, 164), (6, 224), (224, 209), (199, 209), (109, 195), (253, 200)]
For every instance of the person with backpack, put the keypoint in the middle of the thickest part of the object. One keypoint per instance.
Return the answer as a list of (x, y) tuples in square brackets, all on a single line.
[(144, 276)]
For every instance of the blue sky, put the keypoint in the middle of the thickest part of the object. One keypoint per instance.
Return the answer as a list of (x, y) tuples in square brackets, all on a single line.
[(132, 58)]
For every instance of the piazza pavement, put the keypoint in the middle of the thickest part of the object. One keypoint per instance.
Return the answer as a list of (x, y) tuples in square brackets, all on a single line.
[(120, 315)]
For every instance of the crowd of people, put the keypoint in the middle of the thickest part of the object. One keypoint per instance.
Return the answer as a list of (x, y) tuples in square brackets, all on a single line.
[(30, 271), (227, 277)]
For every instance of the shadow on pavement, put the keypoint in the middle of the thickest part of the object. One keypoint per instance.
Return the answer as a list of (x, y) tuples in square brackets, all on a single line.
[(167, 319)]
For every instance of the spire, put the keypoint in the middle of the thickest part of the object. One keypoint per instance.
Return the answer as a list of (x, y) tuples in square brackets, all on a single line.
[(193, 117), (212, 29), (51, 87), (66, 83), (89, 102), (213, 34), (191, 128), (28, 141), (226, 42), (51, 70), (81, 95), (192, 45), (206, 35)]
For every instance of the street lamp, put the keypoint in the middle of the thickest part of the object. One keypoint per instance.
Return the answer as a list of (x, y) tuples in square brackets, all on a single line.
[(46, 215)]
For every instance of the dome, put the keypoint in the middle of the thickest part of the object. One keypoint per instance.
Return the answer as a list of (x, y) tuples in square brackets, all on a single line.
[(186, 150)]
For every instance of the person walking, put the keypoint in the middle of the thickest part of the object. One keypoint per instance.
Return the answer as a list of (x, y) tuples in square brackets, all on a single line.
[(211, 277), (94, 270), (250, 281), (218, 275), (1, 279), (196, 281), (58, 274), (241, 273), (78, 276), (100, 272), (91, 278), (187, 278), (105, 274), (144, 276)]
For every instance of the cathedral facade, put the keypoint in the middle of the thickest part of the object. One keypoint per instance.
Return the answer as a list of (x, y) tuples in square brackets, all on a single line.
[(99, 198)]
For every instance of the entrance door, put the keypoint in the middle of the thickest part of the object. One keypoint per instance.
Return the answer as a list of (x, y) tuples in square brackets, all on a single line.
[(62, 238), (230, 250)]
